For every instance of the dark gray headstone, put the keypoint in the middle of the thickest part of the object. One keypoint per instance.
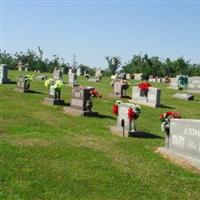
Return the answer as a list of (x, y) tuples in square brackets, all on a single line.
[(3, 74)]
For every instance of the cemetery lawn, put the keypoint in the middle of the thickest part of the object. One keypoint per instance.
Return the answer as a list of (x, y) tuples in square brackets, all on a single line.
[(46, 154)]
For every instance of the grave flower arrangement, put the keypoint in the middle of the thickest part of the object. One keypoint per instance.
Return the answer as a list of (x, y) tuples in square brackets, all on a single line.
[(182, 81), (134, 112), (50, 82), (95, 93), (144, 85), (165, 119), (115, 107), (28, 78)]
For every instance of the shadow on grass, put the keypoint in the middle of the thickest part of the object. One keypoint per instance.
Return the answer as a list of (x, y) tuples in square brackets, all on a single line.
[(101, 116), (35, 92), (10, 82), (126, 97), (141, 134), (164, 106)]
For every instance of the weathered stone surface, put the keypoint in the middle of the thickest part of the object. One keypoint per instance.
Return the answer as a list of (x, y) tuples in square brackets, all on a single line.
[(152, 99), (194, 84), (72, 79), (23, 85), (4, 74), (129, 125), (51, 101), (57, 74), (41, 77), (94, 79), (184, 96), (184, 140)]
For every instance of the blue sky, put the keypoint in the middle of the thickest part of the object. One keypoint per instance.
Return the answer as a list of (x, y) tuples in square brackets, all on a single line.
[(95, 29)]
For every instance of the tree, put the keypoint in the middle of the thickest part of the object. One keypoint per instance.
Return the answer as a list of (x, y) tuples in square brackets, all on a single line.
[(113, 63)]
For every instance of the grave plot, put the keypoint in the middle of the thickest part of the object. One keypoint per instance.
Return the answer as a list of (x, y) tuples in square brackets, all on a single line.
[(23, 83), (182, 143), (146, 95)]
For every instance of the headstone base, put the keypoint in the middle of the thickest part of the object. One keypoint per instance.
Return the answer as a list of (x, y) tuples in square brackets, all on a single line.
[(117, 131), (20, 90), (144, 103), (76, 112), (118, 96), (51, 101), (184, 161)]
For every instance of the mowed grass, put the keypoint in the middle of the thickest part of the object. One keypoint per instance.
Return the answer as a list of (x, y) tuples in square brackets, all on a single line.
[(46, 154)]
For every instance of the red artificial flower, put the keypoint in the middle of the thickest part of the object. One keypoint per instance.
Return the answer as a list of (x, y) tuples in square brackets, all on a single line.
[(95, 93), (144, 85), (131, 114), (115, 109)]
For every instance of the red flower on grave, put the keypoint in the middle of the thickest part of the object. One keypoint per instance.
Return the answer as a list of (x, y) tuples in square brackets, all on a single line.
[(115, 109), (131, 114), (95, 93), (144, 85)]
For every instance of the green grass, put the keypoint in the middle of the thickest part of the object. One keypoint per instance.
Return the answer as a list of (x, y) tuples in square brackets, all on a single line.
[(46, 154)]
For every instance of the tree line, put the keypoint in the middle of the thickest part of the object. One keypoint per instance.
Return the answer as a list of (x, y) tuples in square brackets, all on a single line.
[(138, 64)]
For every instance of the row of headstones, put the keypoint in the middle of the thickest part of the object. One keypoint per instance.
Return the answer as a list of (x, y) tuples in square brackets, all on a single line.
[(192, 86), (184, 137)]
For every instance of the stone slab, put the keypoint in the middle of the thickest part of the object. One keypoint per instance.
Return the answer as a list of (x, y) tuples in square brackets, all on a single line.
[(76, 112), (51, 101), (184, 96), (180, 159), (143, 103)]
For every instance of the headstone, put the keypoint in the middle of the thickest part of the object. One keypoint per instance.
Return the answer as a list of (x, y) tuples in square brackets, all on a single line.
[(81, 102), (54, 97), (94, 79), (72, 79), (152, 98), (119, 88), (57, 74), (78, 72), (184, 96), (194, 84), (23, 85), (138, 76), (128, 76), (4, 74), (183, 141), (41, 77), (70, 71), (173, 83), (122, 118)]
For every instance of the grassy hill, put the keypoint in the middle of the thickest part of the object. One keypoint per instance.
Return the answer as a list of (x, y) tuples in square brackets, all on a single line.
[(46, 154)]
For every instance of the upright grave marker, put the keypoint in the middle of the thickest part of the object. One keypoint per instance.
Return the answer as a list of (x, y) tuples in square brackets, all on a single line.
[(81, 102), (194, 84), (4, 74), (183, 143), (127, 114)]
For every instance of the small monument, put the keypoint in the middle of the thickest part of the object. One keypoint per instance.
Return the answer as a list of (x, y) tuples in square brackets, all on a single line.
[(127, 114), (146, 95), (98, 76), (23, 83), (72, 79), (138, 76), (194, 84), (4, 74), (81, 102), (119, 88), (183, 96), (57, 74), (183, 142), (54, 88), (78, 72)]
